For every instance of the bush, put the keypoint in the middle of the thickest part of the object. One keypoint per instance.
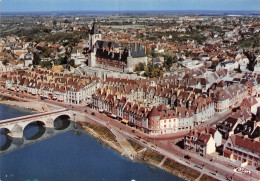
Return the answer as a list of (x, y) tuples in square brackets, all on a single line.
[(174, 166), (46, 64), (207, 178), (149, 155), (102, 131), (135, 145)]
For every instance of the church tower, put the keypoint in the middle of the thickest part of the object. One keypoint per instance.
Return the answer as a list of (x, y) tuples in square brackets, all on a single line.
[(94, 36)]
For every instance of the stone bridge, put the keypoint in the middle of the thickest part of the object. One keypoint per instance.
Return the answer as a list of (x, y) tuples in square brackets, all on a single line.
[(15, 127), (21, 143)]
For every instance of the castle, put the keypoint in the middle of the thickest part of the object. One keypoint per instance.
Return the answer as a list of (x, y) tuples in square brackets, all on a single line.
[(108, 54)]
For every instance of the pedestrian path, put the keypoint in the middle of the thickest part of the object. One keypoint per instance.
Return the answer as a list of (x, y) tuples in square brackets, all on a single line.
[(162, 162), (129, 150), (197, 179)]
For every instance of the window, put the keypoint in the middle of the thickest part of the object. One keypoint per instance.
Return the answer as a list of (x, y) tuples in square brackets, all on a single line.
[(235, 157)]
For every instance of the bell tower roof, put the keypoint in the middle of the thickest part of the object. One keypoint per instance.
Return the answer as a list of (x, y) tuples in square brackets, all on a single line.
[(94, 29)]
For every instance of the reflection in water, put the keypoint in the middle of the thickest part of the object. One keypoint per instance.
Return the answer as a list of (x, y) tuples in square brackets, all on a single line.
[(34, 130), (34, 133), (5, 139)]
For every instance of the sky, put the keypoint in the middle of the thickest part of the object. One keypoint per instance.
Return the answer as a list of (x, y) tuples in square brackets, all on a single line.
[(124, 5)]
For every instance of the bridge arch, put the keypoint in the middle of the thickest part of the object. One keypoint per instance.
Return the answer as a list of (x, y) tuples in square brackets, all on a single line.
[(5, 139), (34, 130), (62, 122)]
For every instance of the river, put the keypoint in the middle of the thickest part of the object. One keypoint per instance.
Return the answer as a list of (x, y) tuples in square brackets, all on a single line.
[(71, 156)]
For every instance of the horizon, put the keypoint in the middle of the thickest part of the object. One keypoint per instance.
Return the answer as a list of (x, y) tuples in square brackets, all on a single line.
[(137, 12), (22, 6)]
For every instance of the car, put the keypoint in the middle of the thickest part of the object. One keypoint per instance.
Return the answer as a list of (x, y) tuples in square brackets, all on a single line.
[(187, 157), (133, 131)]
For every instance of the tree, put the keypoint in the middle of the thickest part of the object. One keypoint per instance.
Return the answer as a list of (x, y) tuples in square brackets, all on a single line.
[(252, 60), (46, 64), (72, 62), (169, 61), (140, 67), (36, 58), (66, 21), (153, 71), (214, 64), (54, 22), (58, 60)]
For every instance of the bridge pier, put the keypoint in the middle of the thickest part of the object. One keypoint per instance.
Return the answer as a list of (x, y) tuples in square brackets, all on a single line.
[(49, 123), (17, 131), (49, 130), (18, 141), (73, 125)]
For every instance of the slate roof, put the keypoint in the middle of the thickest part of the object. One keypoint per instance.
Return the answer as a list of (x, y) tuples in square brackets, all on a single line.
[(137, 51), (104, 44), (94, 29)]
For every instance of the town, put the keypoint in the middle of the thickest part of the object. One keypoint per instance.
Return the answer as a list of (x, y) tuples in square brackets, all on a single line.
[(194, 80)]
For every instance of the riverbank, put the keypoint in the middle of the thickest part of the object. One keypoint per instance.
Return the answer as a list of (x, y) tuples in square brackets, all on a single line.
[(148, 156), (103, 134), (7, 98), (34, 105), (21, 102)]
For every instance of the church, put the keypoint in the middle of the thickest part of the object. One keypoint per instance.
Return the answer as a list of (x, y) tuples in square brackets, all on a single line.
[(108, 54)]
